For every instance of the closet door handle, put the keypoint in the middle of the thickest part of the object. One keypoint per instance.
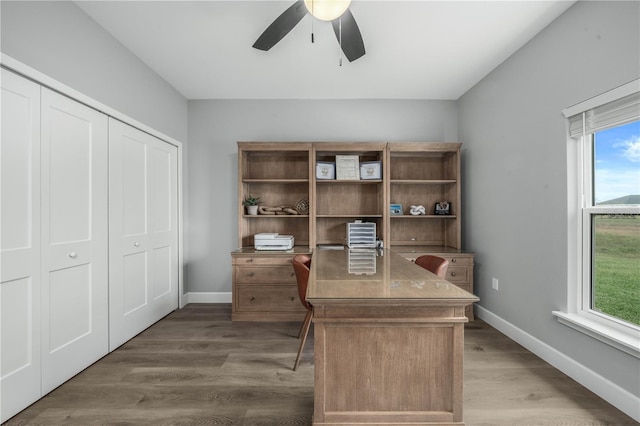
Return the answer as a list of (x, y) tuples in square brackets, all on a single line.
[(73, 255)]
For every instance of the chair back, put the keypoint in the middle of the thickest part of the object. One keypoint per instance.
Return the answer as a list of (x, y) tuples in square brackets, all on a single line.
[(302, 266), (435, 264)]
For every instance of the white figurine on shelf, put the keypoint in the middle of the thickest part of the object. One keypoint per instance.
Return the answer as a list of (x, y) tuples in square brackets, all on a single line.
[(417, 210)]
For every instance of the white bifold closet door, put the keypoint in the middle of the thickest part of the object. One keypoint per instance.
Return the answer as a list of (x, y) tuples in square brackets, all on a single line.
[(143, 229), (19, 244), (74, 148)]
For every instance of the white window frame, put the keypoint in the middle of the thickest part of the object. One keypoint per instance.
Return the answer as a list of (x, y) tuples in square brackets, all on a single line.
[(579, 315)]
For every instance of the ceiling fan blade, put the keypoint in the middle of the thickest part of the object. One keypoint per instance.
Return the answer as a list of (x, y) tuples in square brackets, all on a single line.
[(352, 44), (281, 26)]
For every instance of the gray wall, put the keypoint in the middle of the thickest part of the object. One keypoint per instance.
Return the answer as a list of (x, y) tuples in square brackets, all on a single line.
[(215, 126), (515, 172), (58, 39)]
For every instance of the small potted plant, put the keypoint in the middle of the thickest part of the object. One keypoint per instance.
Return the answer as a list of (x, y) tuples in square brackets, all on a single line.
[(251, 202)]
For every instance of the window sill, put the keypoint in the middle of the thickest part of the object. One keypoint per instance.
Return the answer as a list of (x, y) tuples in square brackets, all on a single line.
[(626, 342)]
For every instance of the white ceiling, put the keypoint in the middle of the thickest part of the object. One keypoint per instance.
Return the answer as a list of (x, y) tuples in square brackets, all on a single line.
[(415, 49)]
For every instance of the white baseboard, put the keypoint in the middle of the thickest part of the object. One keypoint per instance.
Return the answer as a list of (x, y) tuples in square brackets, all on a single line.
[(615, 395), (207, 297)]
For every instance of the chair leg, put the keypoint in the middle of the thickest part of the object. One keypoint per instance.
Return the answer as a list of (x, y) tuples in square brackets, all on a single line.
[(305, 332), (304, 323)]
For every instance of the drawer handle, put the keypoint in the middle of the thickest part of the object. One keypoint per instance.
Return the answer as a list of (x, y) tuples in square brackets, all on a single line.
[(250, 274), (453, 274), (252, 298), (136, 244), (454, 260), (249, 260), (73, 255), (292, 298), (292, 274)]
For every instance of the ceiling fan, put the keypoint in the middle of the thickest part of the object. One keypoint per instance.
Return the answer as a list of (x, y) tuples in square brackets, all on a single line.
[(336, 11)]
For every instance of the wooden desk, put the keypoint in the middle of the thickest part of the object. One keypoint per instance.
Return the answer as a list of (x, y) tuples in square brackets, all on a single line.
[(388, 345)]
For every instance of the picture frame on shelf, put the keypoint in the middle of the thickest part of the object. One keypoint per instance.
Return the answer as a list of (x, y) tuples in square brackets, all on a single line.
[(347, 167), (325, 170), (442, 208), (396, 210), (371, 170)]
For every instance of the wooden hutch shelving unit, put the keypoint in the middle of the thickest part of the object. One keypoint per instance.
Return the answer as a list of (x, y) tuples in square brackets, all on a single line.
[(283, 173), (338, 202), (425, 174)]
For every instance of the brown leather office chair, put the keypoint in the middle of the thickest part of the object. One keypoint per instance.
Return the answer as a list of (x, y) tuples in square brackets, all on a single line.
[(435, 264), (301, 266)]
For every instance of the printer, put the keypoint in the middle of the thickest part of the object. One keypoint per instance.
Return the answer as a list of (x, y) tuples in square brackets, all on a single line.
[(273, 242)]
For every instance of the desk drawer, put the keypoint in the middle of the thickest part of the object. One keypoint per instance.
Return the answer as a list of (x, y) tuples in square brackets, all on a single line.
[(262, 260), (453, 260), (267, 298), (457, 274), (266, 274), (458, 260)]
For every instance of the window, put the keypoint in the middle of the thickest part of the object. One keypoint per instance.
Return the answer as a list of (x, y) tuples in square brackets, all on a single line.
[(614, 224), (604, 218)]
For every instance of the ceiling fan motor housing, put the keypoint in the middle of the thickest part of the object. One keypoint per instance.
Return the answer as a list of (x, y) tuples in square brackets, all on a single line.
[(327, 10)]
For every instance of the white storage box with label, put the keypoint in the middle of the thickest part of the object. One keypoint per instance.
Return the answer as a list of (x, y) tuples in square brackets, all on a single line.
[(361, 235), (273, 242)]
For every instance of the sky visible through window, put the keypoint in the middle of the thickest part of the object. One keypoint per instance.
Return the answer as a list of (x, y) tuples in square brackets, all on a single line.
[(617, 162)]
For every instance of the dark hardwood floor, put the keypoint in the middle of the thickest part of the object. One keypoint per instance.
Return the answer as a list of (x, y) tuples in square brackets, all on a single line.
[(196, 367)]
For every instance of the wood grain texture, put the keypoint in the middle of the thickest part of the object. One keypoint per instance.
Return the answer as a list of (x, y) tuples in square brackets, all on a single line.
[(197, 367)]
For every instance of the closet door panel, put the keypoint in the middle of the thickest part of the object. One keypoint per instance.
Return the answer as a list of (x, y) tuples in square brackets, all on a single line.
[(143, 231), (74, 231), (20, 366), (162, 269), (163, 222), (132, 185), (134, 273)]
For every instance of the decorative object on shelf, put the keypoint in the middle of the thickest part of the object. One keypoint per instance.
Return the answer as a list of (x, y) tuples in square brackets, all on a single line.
[(347, 167), (371, 170), (325, 170), (251, 202), (302, 206), (396, 210), (443, 207), (278, 210), (417, 210)]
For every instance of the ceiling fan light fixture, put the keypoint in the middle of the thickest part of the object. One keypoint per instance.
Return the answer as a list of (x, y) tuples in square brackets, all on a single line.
[(327, 10)]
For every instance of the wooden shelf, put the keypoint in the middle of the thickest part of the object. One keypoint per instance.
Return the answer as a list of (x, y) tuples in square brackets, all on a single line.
[(353, 182), (275, 216), (423, 182), (424, 216), (355, 216), (285, 181)]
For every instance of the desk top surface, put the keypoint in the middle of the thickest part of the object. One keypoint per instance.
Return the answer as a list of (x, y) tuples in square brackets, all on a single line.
[(376, 275)]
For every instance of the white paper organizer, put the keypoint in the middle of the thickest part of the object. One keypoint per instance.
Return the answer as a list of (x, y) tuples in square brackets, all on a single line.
[(361, 235)]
